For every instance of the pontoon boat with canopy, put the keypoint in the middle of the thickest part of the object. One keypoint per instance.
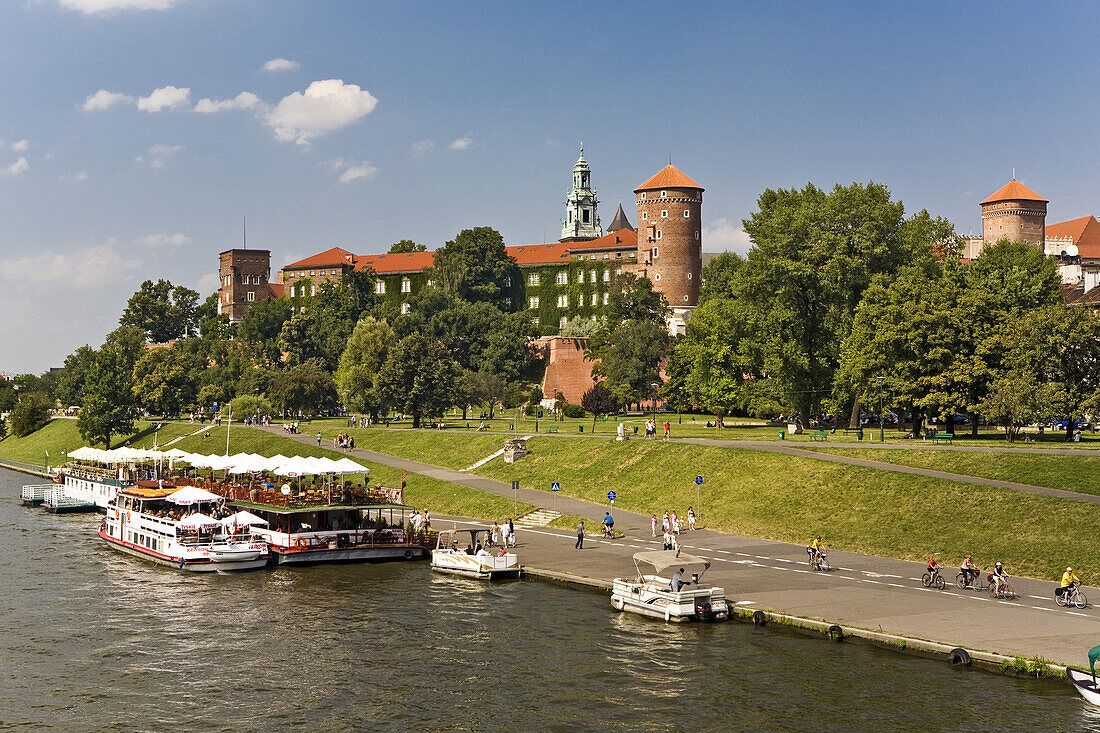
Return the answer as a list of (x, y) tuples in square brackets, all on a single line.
[(1085, 682), (456, 552), (672, 590)]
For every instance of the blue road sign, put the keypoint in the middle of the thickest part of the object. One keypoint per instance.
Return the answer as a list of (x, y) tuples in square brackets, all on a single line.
[(555, 486), (215, 407), (698, 479), (611, 496), (540, 413)]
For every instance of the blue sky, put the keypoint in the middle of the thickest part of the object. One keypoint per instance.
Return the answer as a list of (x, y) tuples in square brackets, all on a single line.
[(433, 117)]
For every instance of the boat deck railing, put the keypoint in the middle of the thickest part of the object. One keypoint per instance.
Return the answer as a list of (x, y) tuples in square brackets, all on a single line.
[(36, 492), (319, 497)]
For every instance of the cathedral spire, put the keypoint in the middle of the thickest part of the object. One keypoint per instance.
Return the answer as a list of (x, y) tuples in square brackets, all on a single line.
[(582, 222)]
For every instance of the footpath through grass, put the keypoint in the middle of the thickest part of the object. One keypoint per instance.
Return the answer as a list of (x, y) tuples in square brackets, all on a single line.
[(435, 495), (1070, 473), (61, 436), (792, 499)]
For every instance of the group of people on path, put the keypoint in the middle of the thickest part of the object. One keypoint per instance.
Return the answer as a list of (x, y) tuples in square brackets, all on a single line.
[(421, 521), (503, 534), (343, 441), (651, 429), (671, 527)]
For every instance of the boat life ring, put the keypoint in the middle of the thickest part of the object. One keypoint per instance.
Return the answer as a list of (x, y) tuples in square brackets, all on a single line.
[(759, 618), (299, 543), (959, 656)]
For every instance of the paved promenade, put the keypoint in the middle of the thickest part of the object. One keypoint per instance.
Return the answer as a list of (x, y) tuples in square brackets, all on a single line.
[(863, 591)]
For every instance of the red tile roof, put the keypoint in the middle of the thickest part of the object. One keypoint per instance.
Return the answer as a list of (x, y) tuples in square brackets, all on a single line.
[(328, 258), (1085, 232), (668, 177), (543, 254), (276, 289), (400, 262), (1014, 191)]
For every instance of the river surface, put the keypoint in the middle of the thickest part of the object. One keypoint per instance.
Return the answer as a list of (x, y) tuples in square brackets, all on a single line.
[(91, 639)]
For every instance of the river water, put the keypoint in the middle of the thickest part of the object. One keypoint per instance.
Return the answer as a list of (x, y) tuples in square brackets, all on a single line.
[(91, 639)]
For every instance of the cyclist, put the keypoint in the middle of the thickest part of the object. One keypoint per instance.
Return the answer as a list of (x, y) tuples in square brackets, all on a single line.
[(999, 578), (969, 571), (1068, 581), (815, 549), (609, 525), (933, 566)]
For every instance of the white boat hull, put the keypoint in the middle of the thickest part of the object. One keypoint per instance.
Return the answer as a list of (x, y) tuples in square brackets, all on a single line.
[(491, 567), (689, 604), (1084, 684), (195, 564)]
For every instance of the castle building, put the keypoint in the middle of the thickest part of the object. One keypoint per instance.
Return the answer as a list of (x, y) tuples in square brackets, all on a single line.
[(1014, 212), (243, 280), (582, 220)]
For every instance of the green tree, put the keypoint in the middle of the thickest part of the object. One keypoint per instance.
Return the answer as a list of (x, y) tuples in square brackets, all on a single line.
[(264, 320), (109, 407), (213, 325), (8, 395), (406, 246), (31, 413), (599, 400), (248, 405), (163, 382), (1013, 401), (70, 386), (360, 364), (580, 327), (418, 377), (306, 388), (298, 338), (3, 428), (720, 277), (476, 267), (162, 312)]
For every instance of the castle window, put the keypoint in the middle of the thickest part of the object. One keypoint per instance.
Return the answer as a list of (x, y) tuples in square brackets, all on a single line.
[(645, 215), (618, 271), (664, 194), (405, 308), (507, 281), (561, 322), (687, 213), (696, 233), (591, 257), (244, 279), (533, 303), (618, 255), (685, 299), (633, 255), (580, 277), (406, 285), (508, 301), (605, 298), (657, 277), (251, 296), (333, 272), (380, 287), (664, 213), (643, 194), (563, 301), (607, 255), (595, 298), (570, 217), (607, 276), (533, 279), (591, 276), (312, 291), (658, 234), (655, 253), (227, 280), (585, 213), (563, 278), (689, 276), (312, 273)]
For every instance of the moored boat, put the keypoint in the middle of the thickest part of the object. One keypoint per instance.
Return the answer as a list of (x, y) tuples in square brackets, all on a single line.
[(171, 526), (461, 552), (1084, 682), (672, 590)]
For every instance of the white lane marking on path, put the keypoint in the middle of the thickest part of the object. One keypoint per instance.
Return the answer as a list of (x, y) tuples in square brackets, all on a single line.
[(876, 582), (1042, 608), (897, 585), (742, 554), (760, 557), (1039, 598), (798, 570), (916, 579), (1074, 613), (783, 559), (725, 551), (744, 603), (847, 570)]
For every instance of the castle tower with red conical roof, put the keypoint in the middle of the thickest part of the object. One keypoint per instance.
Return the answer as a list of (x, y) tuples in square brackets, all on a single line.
[(670, 239), (1015, 212)]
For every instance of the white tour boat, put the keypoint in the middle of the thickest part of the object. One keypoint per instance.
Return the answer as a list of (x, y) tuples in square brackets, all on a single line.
[(169, 526), (456, 554), (672, 591), (96, 485)]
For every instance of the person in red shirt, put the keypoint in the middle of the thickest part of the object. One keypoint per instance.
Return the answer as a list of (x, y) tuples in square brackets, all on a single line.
[(667, 429)]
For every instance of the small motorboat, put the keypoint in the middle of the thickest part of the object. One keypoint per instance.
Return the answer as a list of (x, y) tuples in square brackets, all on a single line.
[(461, 552), (672, 591), (1086, 682)]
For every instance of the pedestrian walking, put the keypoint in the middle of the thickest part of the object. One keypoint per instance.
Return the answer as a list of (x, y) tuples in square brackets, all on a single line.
[(691, 519), (668, 540), (318, 440), (653, 525), (504, 530), (668, 430), (580, 537), (665, 524), (511, 533), (675, 523)]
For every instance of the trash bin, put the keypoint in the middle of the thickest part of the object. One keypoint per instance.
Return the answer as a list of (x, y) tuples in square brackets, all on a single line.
[(782, 435), (635, 429), (580, 428), (859, 434)]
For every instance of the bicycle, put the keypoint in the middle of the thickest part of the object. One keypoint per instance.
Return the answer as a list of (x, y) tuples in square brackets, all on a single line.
[(1071, 595), (819, 561), (977, 584), (1005, 592), (933, 579)]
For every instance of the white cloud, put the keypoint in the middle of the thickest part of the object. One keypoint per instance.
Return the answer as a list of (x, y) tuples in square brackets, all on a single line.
[(91, 7), (168, 97), (21, 146), (422, 148), (462, 143), (281, 64), (78, 177), (363, 170), (158, 154), (325, 106), (90, 267), (104, 99), (725, 235), (16, 168), (244, 100), (166, 240), (208, 283)]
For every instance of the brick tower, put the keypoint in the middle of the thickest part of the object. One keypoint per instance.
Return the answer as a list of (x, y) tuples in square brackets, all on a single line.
[(670, 244), (1015, 212), (243, 274)]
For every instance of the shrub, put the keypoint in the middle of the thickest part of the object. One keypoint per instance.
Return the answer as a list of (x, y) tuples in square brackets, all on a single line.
[(570, 410), (31, 413)]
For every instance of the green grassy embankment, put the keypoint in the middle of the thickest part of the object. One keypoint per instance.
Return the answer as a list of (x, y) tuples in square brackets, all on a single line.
[(61, 436), (1070, 473), (791, 499), (435, 495)]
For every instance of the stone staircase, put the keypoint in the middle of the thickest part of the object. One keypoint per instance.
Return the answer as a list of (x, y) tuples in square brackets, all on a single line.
[(537, 518)]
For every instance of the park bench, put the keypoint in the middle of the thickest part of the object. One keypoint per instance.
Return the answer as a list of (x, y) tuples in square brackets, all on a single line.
[(942, 438), (821, 435), (552, 429)]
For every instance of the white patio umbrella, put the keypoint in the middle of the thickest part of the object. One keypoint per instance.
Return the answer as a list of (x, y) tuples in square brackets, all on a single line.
[(192, 495), (197, 520), (293, 467), (243, 518), (177, 453), (250, 464), (346, 465)]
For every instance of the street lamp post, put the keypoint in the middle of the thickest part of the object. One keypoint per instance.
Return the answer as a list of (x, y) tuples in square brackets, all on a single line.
[(881, 417), (654, 386)]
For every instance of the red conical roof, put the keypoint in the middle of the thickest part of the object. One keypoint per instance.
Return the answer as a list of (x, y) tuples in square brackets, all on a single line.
[(668, 177), (1015, 191)]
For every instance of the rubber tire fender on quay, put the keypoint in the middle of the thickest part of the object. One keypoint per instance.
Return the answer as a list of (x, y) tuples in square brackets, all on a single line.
[(959, 657), (759, 618), (836, 633)]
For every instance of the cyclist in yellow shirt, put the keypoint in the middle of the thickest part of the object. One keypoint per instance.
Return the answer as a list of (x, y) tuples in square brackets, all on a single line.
[(1068, 579), (815, 549)]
